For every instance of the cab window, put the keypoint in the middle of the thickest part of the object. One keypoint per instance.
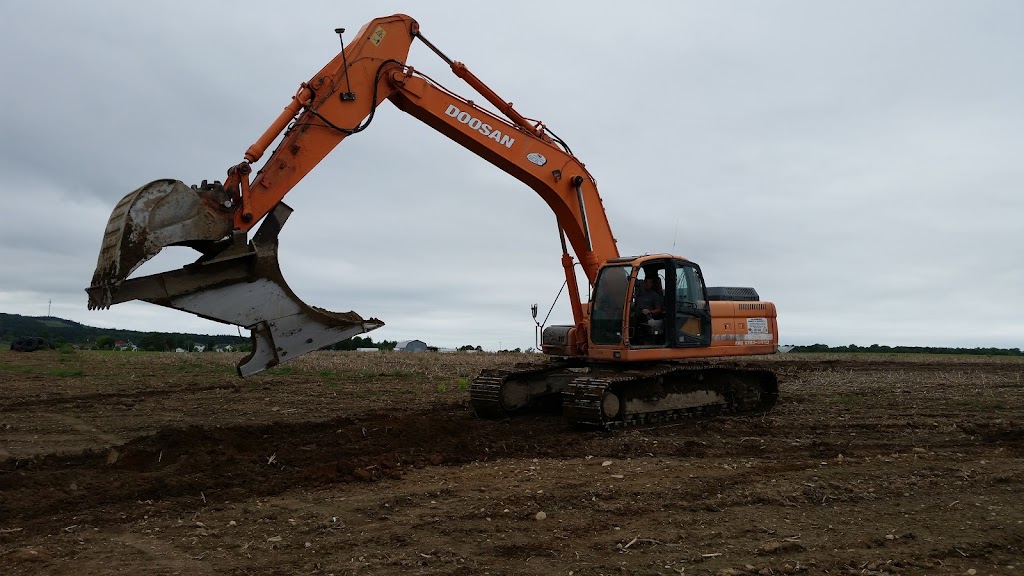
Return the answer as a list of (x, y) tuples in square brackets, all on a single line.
[(608, 302)]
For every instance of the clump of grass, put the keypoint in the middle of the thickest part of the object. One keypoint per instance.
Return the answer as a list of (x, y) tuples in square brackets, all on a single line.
[(398, 373), (442, 387), (16, 368), (463, 383), (282, 370), (843, 400), (980, 404)]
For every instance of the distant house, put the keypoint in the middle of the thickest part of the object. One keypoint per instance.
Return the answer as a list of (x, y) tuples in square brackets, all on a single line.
[(411, 346), (199, 348), (122, 346), (367, 349), (182, 350), (224, 348)]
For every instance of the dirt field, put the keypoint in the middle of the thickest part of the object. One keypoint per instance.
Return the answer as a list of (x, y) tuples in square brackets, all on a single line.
[(356, 463)]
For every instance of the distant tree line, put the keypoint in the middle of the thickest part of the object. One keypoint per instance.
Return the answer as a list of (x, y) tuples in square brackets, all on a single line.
[(882, 349), (362, 342), (60, 331)]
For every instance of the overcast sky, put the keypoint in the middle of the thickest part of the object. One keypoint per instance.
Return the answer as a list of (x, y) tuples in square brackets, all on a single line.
[(859, 163)]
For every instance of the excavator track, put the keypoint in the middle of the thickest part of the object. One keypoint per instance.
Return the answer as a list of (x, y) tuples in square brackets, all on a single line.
[(664, 392), (610, 396), (505, 392)]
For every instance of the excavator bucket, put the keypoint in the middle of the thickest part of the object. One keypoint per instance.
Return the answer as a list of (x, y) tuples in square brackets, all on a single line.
[(234, 282), (161, 213)]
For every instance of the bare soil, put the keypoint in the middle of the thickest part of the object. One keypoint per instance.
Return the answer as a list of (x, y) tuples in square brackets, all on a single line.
[(357, 463)]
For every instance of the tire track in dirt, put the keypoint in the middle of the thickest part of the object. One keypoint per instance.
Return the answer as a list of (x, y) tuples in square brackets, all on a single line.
[(115, 397), (79, 425)]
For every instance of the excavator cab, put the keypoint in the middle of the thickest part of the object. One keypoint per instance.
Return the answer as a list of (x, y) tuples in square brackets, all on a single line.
[(656, 302)]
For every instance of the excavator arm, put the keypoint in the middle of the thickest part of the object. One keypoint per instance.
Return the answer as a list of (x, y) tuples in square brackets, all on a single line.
[(238, 281)]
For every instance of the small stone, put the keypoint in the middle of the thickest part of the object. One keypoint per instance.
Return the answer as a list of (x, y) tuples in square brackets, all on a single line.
[(972, 572), (26, 555), (112, 456), (606, 463), (232, 523), (540, 516), (890, 536)]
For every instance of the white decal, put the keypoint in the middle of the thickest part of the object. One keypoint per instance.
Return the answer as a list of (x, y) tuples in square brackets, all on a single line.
[(377, 36), (757, 325), (482, 127), (537, 158)]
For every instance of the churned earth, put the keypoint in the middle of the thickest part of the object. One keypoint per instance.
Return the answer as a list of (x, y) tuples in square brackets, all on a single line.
[(362, 463)]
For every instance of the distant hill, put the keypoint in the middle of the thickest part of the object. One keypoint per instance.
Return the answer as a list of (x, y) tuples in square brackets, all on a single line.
[(59, 331)]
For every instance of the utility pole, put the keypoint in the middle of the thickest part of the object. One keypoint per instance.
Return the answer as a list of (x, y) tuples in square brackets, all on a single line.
[(48, 307)]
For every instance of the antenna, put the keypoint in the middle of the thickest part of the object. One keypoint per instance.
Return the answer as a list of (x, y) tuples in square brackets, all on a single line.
[(675, 235), (537, 329), (349, 95)]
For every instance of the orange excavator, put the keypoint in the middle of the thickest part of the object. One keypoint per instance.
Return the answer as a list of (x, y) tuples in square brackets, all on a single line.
[(652, 342)]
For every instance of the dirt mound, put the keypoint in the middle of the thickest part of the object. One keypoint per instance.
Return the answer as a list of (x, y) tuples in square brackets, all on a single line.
[(235, 462)]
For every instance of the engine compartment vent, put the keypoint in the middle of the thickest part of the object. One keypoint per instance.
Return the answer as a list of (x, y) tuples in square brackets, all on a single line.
[(733, 294)]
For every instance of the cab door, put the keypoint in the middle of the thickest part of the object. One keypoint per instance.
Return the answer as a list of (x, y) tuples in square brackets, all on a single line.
[(648, 320), (689, 309)]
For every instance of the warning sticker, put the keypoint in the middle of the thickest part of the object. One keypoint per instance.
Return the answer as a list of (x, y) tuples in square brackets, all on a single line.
[(757, 325), (377, 36)]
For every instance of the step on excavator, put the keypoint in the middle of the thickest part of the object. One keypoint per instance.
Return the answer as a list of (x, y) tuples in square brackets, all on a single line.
[(653, 343)]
